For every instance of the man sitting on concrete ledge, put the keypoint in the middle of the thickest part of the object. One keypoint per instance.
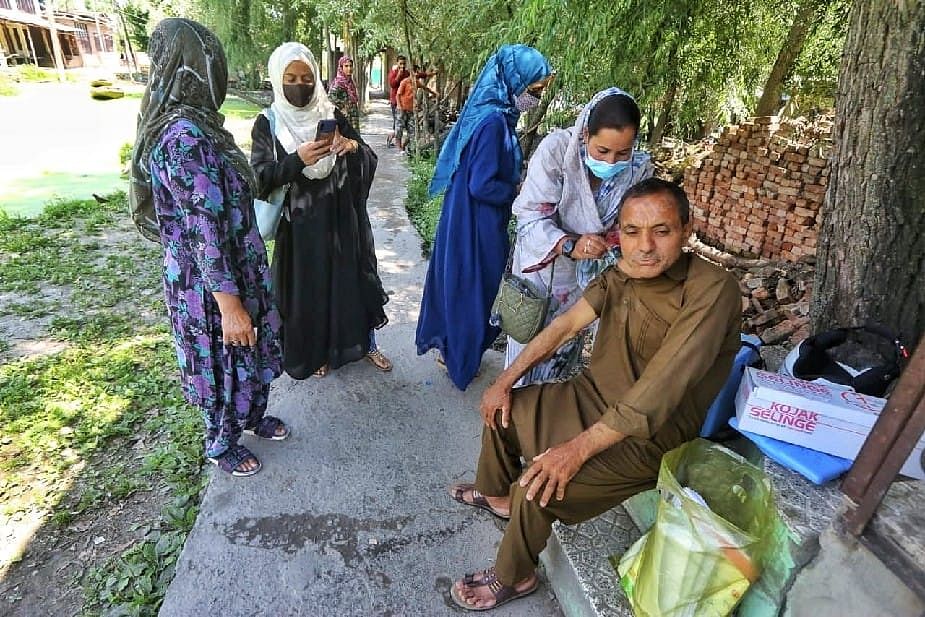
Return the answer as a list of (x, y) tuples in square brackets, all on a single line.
[(668, 333)]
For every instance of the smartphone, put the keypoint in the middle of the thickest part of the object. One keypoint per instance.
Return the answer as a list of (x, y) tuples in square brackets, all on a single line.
[(325, 131)]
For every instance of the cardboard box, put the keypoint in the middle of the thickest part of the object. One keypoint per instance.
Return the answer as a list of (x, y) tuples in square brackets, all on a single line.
[(823, 417)]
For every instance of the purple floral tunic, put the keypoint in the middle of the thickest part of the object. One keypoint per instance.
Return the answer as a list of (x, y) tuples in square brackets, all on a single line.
[(211, 243)]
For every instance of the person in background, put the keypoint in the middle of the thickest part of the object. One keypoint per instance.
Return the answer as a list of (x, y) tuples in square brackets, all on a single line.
[(397, 74), (343, 92), (325, 271), (192, 187), (567, 212), (478, 171), (407, 97)]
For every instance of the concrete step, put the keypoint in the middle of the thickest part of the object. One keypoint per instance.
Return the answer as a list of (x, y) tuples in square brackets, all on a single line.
[(577, 565)]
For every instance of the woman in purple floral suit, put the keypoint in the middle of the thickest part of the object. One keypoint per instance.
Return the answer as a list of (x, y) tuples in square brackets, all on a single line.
[(192, 190)]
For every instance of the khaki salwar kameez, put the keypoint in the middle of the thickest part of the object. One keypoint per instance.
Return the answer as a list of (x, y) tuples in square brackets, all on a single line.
[(664, 348)]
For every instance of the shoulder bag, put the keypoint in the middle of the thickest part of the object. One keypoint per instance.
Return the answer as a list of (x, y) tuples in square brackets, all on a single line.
[(520, 307), (269, 211)]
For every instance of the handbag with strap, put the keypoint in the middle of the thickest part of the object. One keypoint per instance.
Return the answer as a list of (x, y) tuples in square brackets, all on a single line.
[(270, 210), (520, 307)]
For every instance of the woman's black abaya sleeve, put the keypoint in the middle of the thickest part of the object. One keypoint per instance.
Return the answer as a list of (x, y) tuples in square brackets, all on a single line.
[(271, 172)]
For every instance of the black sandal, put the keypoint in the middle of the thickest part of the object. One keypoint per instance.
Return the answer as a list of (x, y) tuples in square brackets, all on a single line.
[(229, 461), (268, 428)]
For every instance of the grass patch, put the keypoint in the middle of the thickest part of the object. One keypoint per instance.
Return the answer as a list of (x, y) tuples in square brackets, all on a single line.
[(30, 72), (235, 107), (423, 211), (125, 154), (89, 426), (28, 196), (135, 582), (7, 86)]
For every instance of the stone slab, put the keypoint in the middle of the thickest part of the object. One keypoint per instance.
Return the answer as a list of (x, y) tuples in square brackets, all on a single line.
[(847, 580), (577, 564)]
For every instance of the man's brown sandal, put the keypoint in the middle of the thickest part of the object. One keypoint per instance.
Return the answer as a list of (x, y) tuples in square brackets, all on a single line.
[(502, 593), (378, 359), (478, 500)]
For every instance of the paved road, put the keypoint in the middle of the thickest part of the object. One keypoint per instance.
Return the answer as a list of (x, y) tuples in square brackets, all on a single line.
[(349, 517)]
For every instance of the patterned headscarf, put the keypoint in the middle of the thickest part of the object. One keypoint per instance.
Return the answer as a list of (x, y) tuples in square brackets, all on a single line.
[(296, 125), (608, 196), (344, 81), (188, 79), (505, 75)]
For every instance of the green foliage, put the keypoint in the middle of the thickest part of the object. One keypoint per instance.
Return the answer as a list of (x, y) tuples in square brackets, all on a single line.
[(125, 154), (423, 211), (135, 582), (7, 86), (691, 64), (815, 76), (30, 72), (71, 422), (251, 29), (137, 18)]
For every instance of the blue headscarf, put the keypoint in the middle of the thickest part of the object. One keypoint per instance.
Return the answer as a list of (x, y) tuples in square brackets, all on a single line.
[(505, 75)]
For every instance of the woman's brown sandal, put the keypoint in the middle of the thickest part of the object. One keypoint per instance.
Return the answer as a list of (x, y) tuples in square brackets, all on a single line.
[(322, 372), (502, 593), (378, 359)]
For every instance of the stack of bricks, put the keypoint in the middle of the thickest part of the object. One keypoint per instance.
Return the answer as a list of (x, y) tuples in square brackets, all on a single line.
[(759, 192)]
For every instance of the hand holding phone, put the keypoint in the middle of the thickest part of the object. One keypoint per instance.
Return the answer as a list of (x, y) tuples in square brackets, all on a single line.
[(325, 130)]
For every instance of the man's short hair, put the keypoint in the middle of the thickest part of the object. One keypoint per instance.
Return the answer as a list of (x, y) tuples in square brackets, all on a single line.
[(655, 186), (401, 57)]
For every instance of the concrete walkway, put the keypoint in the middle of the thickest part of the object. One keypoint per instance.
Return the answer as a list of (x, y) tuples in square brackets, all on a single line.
[(350, 516)]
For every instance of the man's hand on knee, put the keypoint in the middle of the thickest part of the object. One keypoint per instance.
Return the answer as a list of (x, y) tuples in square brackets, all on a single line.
[(496, 398), (551, 472)]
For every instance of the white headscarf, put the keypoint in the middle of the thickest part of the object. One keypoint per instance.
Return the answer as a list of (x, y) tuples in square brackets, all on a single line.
[(296, 125)]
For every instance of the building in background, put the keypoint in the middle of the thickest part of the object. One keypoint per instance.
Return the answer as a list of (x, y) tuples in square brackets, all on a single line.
[(86, 37)]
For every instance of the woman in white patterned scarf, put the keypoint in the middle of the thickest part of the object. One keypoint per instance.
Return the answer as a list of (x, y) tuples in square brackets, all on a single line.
[(567, 212)]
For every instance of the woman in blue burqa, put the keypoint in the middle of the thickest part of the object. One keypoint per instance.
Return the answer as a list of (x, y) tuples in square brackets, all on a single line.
[(479, 168)]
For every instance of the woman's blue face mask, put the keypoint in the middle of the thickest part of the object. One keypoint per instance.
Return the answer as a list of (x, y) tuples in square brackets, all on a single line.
[(605, 170)]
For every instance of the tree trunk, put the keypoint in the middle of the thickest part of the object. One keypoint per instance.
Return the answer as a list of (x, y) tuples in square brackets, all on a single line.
[(802, 24), (658, 131), (871, 258)]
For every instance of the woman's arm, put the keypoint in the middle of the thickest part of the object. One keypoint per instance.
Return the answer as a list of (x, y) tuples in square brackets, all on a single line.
[(188, 167), (536, 208), (272, 171), (491, 179)]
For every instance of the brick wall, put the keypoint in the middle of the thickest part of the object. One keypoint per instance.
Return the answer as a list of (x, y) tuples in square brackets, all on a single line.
[(759, 191)]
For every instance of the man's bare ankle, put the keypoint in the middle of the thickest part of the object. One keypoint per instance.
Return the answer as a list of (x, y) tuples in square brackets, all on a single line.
[(499, 503), (526, 583)]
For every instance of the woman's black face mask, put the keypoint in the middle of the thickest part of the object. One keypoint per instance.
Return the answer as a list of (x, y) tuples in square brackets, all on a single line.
[(299, 94)]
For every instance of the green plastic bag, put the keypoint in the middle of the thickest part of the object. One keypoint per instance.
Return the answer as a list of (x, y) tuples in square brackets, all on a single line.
[(708, 543)]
